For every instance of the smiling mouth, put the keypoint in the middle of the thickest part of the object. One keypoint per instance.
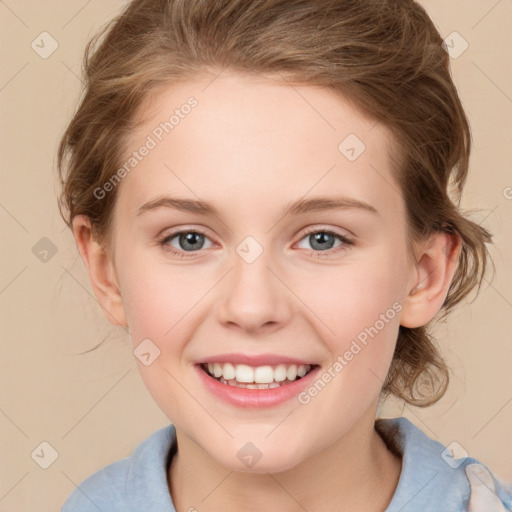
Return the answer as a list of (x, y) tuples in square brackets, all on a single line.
[(256, 377)]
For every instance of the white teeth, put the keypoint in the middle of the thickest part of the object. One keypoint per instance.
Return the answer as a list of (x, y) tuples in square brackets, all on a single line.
[(260, 377), (244, 373), (291, 373), (236, 384), (217, 370), (301, 370), (280, 373), (264, 375), (229, 371)]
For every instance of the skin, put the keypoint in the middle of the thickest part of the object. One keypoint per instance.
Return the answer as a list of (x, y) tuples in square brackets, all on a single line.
[(250, 147)]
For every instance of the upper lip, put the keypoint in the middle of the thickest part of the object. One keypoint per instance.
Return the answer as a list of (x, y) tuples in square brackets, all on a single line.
[(254, 360)]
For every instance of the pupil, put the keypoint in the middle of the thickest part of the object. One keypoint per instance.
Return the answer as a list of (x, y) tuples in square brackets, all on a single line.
[(322, 239), (189, 241)]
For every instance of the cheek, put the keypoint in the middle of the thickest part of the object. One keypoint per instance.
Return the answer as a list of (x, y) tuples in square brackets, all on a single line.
[(366, 326), (347, 299), (159, 307), (357, 310), (157, 297)]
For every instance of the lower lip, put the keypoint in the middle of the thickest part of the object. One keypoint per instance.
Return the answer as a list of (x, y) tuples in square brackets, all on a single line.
[(256, 398)]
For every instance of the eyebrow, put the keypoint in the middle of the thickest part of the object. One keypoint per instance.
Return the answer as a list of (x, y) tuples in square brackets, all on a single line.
[(296, 208)]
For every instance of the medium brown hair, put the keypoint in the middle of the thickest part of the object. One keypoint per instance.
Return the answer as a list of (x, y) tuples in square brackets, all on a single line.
[(385, 56)]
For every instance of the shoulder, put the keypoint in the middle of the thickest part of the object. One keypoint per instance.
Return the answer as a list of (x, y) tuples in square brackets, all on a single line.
[(432, 479), (126, 483)]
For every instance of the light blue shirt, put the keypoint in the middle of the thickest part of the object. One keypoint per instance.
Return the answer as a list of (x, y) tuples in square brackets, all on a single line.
[(430, 481)]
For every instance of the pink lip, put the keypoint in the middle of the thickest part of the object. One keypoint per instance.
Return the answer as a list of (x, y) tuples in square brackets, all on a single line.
[(255, 398), (253, 360)]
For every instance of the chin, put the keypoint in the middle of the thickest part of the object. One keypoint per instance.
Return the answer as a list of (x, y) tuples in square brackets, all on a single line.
[(249, 459)]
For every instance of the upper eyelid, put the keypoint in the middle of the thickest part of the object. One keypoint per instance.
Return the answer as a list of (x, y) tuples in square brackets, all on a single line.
[(314, 229), (304, 232)]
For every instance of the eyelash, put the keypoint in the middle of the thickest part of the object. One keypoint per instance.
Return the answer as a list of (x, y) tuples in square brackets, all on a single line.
[(316, 254)]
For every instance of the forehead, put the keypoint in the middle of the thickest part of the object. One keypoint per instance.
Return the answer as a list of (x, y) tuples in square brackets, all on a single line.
[(258, 140)]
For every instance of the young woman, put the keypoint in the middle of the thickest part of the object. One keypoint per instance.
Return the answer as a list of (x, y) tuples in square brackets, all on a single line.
[(260, 191)]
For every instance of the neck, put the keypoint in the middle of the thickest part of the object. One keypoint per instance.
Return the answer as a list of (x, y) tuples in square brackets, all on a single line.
[(358, 472)]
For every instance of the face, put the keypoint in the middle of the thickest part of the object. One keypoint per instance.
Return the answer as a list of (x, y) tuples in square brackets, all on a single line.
[(277, 246)]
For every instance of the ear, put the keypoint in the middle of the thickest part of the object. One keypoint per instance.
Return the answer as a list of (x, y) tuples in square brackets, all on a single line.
[(436, 262), (101, 271)]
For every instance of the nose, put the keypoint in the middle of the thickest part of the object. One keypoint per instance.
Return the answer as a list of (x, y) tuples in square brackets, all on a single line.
[(253, 297)]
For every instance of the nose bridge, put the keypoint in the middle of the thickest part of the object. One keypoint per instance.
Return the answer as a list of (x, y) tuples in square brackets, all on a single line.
[(251, 270), (253, 296), (251, 275)]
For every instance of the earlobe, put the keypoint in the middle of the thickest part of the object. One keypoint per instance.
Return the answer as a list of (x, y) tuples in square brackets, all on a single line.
[(101, 271), (435, 268)]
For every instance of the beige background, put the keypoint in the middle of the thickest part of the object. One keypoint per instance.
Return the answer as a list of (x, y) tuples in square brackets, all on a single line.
[(93, 408)]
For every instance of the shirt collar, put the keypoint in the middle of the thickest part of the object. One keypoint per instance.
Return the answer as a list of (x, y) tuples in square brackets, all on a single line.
[(425, 473)]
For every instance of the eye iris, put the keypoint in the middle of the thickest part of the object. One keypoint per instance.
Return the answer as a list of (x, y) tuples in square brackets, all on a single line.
[(325, 240), (188, 241)]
